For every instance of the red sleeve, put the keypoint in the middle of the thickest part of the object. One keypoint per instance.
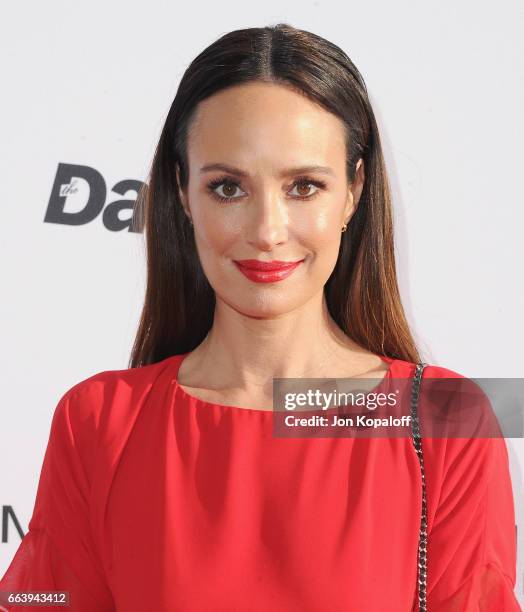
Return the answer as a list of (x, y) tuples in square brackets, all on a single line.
[(58, 552), (471, 554)]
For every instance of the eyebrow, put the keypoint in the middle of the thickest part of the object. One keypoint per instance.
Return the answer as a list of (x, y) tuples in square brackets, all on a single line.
[(283, 173)]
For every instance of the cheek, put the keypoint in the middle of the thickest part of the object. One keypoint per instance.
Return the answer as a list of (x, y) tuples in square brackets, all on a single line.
[(217, 225), (320, 230), (216, 238)]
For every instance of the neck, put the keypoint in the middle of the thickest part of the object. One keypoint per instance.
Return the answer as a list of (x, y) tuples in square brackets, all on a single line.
[(248, 352)]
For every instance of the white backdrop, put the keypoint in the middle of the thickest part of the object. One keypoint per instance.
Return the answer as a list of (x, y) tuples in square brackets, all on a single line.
[(89, 84)]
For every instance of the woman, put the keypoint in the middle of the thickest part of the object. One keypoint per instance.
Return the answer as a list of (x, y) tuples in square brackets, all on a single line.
[(163, 487)]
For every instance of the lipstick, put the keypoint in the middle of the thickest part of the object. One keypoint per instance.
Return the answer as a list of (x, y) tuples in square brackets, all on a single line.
[(266, 271)]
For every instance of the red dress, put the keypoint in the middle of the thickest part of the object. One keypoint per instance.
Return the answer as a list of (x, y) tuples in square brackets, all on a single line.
[(151, 499)]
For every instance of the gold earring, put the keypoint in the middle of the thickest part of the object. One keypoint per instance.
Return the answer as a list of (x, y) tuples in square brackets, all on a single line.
[(344, 227)]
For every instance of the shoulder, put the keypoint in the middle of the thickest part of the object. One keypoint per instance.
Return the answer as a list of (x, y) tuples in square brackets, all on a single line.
[(407, 368), (451, 405), (95, 417), (438, 371), (107, 398), (120, 382), (459, 426)]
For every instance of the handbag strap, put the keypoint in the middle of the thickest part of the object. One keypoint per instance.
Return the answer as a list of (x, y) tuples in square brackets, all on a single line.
[(423, 535)]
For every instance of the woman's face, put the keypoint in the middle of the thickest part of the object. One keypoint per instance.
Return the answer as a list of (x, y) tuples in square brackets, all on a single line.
[(254, 194)]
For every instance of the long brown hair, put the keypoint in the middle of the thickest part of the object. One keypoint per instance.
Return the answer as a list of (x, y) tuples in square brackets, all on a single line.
[(362, 292)]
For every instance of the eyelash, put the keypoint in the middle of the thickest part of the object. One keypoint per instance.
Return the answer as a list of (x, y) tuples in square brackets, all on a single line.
[(302, 180)]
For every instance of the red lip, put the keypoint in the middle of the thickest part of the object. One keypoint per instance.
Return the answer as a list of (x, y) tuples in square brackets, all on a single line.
[(266, 266), (266, 271)]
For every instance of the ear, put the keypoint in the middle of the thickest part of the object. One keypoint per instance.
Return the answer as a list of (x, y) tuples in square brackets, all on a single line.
[(354, 191), (182, 194)]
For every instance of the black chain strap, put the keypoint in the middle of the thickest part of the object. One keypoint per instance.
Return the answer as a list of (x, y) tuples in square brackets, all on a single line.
[(423, 536)]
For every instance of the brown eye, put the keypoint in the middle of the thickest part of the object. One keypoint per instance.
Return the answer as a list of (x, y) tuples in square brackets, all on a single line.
[(228, 188), (304, 188)]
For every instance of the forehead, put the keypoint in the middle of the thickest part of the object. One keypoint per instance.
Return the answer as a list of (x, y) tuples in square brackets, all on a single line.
[(265, 121)]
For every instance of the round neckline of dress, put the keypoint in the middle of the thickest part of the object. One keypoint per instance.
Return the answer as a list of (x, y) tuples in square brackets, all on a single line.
[(183, 394)]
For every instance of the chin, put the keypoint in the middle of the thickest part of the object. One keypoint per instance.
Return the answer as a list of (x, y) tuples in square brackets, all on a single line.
[(265, 306)]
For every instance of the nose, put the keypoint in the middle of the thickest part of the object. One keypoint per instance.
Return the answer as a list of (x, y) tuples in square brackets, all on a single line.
[(267, 225)]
